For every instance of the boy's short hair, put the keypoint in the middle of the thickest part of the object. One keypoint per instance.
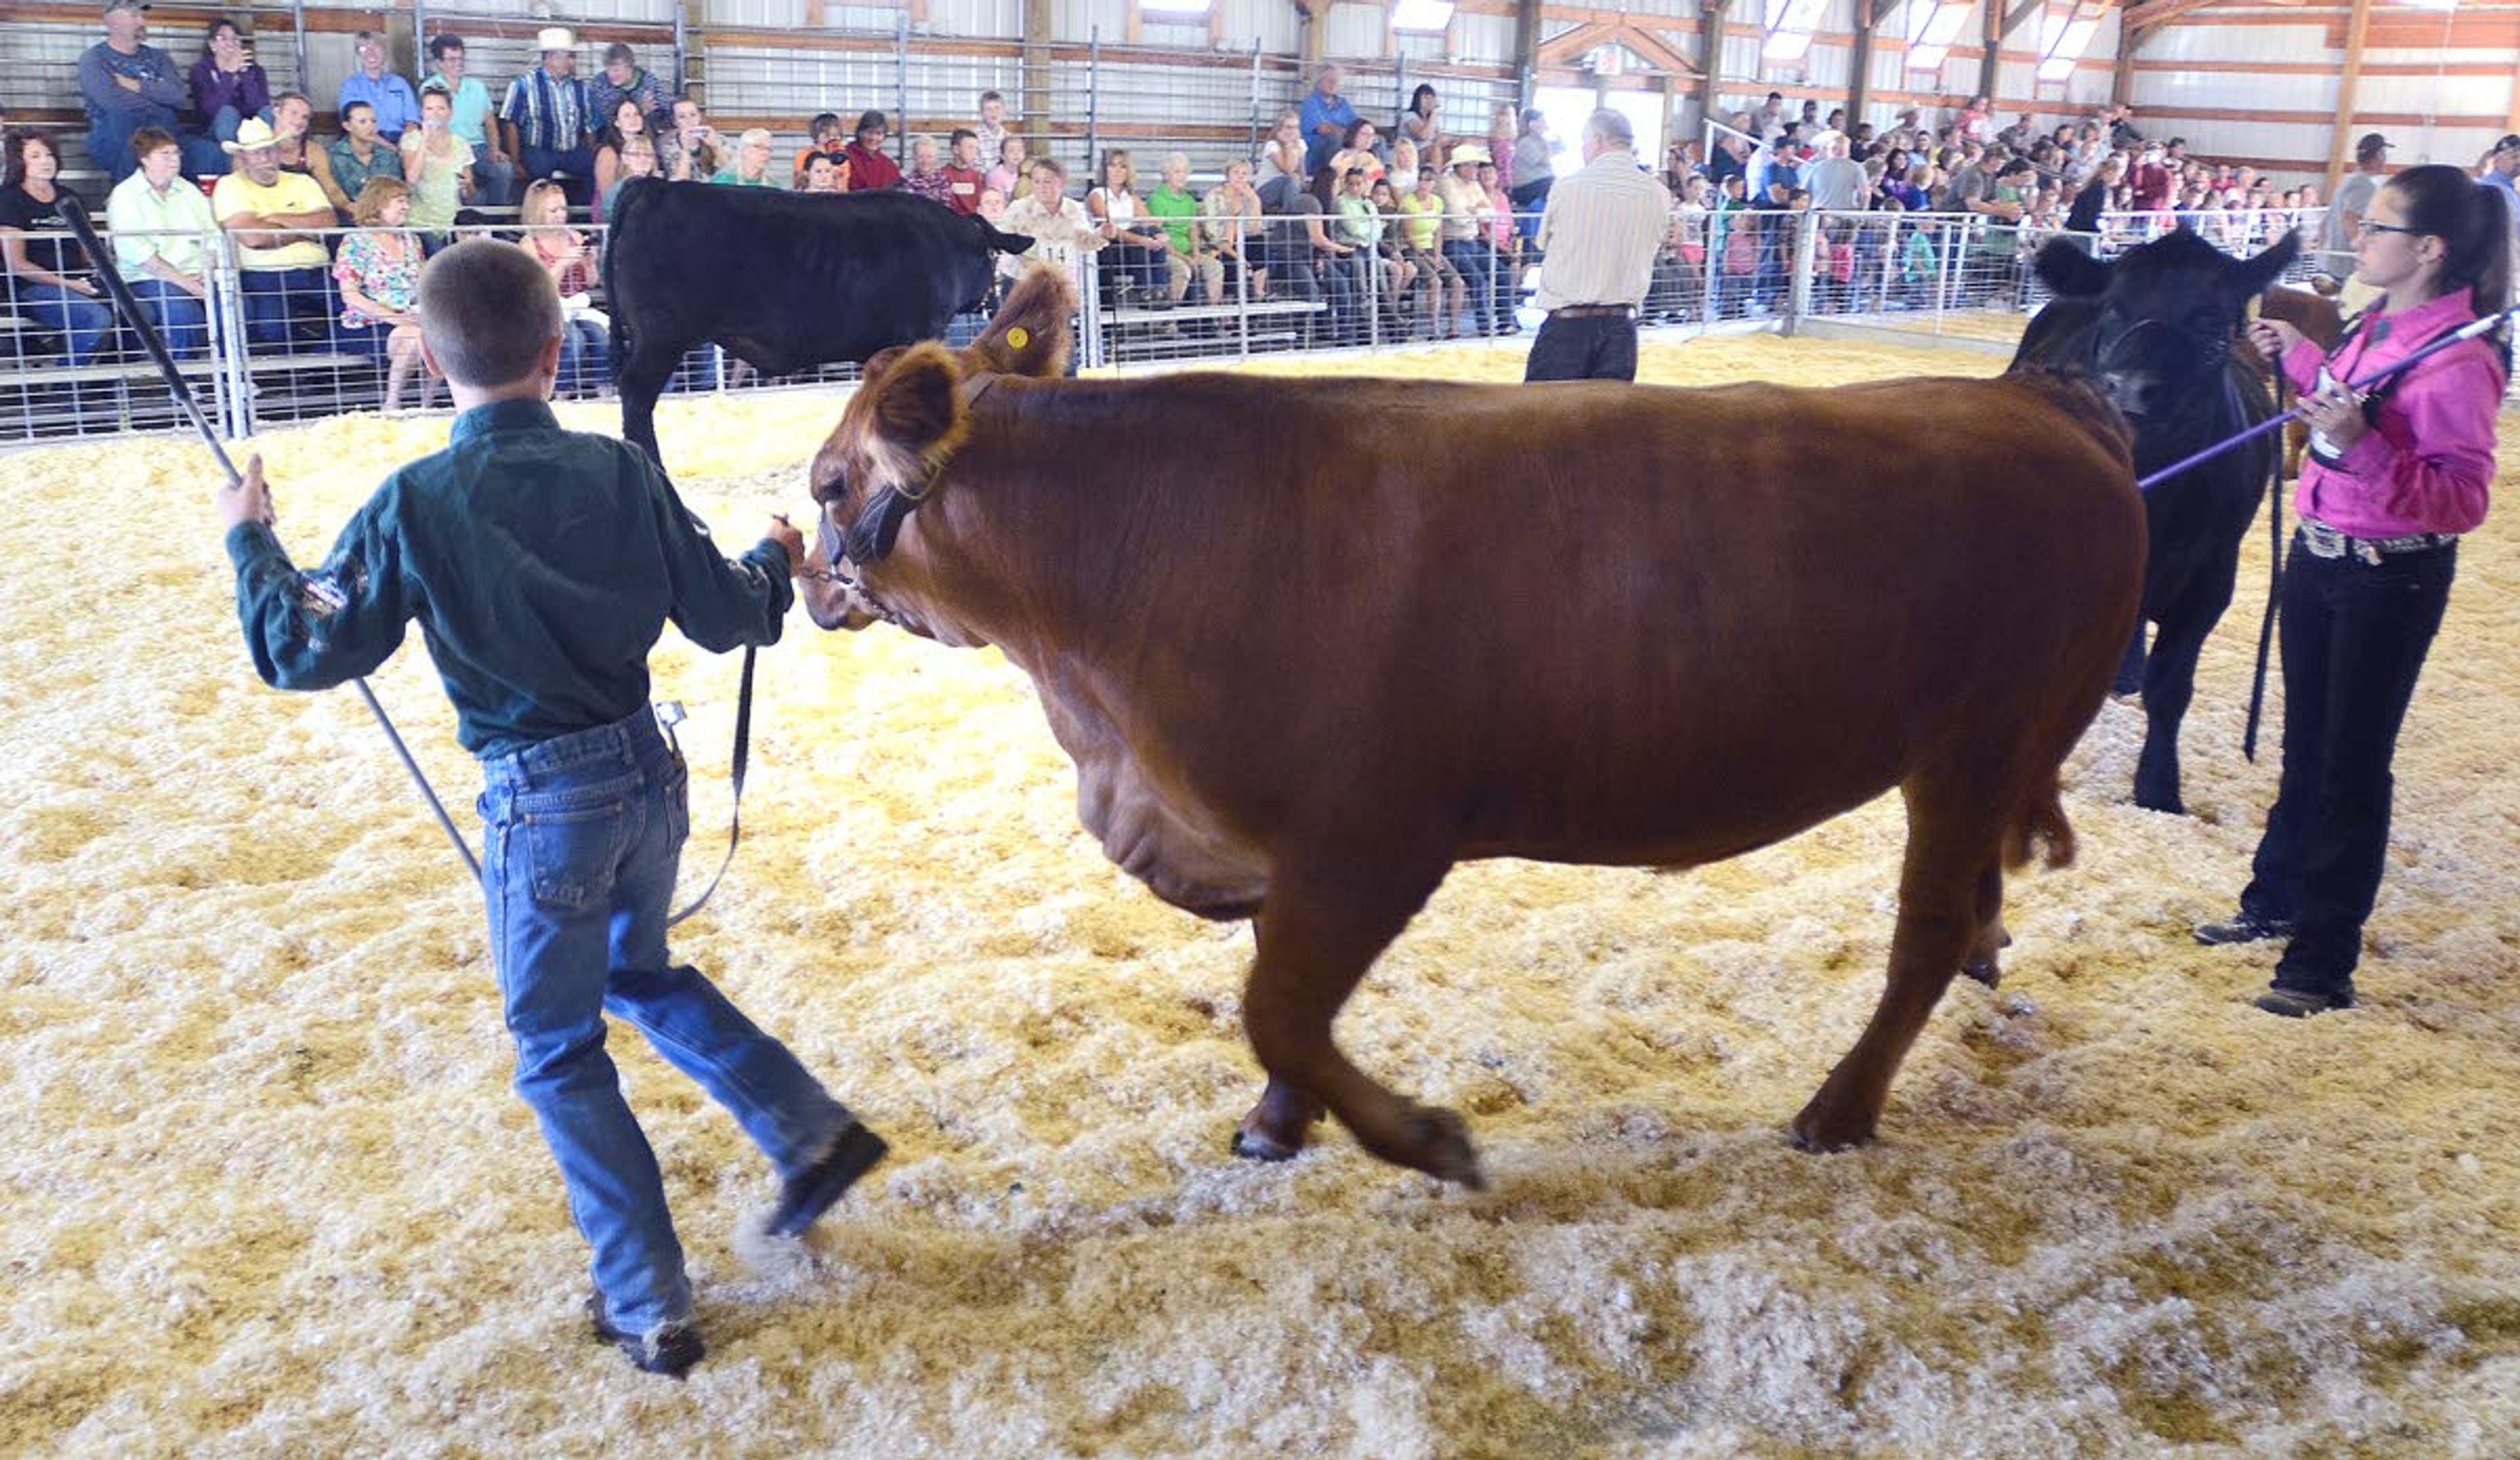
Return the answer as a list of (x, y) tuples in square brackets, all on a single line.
[(486, 310)]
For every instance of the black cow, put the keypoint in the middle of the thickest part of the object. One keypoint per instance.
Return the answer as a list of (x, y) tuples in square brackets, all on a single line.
[(2156, 328), (783, 281)]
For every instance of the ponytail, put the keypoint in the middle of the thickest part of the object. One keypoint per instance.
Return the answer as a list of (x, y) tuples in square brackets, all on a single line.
[(2475, 224)]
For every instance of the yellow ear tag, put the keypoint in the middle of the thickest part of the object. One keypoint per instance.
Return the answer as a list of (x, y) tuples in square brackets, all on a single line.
[(1019, 336)]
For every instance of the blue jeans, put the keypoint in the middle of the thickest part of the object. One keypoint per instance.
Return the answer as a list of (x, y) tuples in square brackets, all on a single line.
[(182, 321), (223, 126), (576, 162), (581, 836), (83, 323), (1475, 262), (277, 298), (108, 145), (494, 184), (585, 355)]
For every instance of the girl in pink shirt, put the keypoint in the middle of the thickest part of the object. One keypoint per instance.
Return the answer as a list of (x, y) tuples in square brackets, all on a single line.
[(2395, 476)]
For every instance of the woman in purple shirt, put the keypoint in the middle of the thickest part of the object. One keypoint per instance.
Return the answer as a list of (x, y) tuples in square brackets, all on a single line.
[(2394, 476), (228, 83)]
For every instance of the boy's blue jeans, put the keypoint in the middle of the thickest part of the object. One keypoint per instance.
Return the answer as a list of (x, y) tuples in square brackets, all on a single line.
[(581, 838)]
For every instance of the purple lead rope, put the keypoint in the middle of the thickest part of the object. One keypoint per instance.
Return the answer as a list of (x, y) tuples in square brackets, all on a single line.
[(2275, 422)]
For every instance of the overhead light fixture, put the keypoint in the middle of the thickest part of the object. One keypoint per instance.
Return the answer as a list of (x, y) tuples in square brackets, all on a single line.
[(1421, 15)]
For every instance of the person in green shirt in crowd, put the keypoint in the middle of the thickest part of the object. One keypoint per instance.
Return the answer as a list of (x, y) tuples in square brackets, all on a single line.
[(751, 169), (1178, 208), (542, 565)]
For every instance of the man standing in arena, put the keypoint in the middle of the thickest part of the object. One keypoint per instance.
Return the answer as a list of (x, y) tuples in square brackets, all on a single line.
[(1598, 239)]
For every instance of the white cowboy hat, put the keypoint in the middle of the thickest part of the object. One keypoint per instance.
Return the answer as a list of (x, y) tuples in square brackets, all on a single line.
[(253, 135), (555, 38), (1468, 151)]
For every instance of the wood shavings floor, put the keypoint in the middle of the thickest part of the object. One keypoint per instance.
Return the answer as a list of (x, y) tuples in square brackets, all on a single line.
[(264, 1189)]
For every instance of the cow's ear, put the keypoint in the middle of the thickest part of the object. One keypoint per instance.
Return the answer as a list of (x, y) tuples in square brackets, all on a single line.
[(914, 414), (2258, 274), (2065, 268), (878, 363), (1030, 335)]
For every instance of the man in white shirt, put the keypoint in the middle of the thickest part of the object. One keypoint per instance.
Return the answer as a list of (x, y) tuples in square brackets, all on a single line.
[(1836, 181), (1598, 239)]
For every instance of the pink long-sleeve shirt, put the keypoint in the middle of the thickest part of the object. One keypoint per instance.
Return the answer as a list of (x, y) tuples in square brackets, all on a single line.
[(2426, 465)]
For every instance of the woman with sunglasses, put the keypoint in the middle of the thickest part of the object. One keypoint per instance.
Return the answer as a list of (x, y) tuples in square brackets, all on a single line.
[(2395, 474)]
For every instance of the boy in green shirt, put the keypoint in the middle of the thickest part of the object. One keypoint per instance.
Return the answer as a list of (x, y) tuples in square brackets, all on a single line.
[(542, 565)]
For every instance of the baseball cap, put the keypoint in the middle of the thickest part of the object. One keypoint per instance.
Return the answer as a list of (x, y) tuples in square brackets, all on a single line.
[(113, 5), (2373, 142), (2509, 143)]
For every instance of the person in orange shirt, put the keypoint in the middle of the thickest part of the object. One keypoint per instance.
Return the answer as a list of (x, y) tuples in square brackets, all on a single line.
[(829, 142)]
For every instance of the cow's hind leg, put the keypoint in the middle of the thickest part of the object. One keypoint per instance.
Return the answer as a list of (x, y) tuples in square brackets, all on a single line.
[(2130, 677), (1955, 844), (644, 371), (1320, 932), (1983, 961), (1277, 1126)]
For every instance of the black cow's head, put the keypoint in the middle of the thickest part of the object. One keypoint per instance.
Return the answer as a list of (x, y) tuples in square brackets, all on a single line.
[(981, 266), (2167, 313)]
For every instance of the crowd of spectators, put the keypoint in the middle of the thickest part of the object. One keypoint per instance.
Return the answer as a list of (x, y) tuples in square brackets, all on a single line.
[(1418, 229)]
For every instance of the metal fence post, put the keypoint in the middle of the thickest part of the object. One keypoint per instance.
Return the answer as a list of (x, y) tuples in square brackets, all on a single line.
[(1798, 290), (297, 38), (901, 87), (1252, 147), (418, 40), (682, 51), (1093, 106), (229, 306), (1943, 276)]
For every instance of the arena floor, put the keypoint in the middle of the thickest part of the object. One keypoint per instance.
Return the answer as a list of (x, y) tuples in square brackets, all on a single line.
[(264, 1189)]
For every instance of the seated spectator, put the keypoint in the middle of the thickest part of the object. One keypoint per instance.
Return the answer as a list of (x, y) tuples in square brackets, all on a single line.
[(48, 272), (964, 179), (1403, 170), (1363, 226), (993, 205), (1421, 127), (1228, 224), (827, 139), (494, 170), (158, 220), (823, 173), (925, 178), (228, 83), (1058, 225), (869, 170), (624, 118), (127, 84), (278, 220), (361, 153), (390, 97), (1505, 235), (1135, 255), (1009, 176), (690, 152), (992, 131), (378, 271), (438, 163), (1353, 153), (637, 159), (586, 333), (549, 120), (1185, 255), (1280, 165), (298, 151), (1468, 216), (624, 79), (1421, 226), (751, 167)]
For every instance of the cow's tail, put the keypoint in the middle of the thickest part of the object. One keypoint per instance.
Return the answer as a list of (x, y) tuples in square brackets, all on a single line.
[(633, 193), (2040, 820)]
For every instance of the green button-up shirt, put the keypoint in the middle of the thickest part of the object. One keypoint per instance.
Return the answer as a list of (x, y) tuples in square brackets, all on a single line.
[(177, 220), (542, 565)]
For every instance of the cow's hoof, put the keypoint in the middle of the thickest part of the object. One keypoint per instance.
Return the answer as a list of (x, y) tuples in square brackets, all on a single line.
[(1984, 969), (1251, 1145), (1440, 1144), (1820, 1131)]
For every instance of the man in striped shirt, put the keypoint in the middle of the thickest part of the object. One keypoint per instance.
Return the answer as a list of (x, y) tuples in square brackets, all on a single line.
[(1598, 240), (550, 120)]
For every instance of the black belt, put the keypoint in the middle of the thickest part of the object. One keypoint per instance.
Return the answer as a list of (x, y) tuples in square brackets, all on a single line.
[(2324, 541), (1593, 311)]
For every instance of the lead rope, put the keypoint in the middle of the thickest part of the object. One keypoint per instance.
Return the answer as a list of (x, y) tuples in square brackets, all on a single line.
[(2274, 579), (75, 213), (735, 813)]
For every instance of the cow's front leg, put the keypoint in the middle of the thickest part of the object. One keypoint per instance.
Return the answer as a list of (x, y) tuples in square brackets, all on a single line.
[(1321, 928), (1277, 1126), (2170, 684)]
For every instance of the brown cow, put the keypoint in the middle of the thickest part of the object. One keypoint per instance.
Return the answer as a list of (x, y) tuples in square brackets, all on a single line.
[(1310, 643)]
